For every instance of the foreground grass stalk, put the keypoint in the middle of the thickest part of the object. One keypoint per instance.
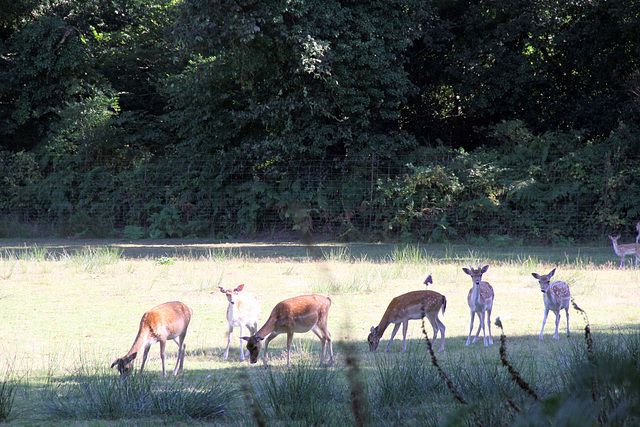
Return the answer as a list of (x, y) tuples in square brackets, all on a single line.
[(590, 354), (434, 362), (356, 388), (512, 371), (250, 396)]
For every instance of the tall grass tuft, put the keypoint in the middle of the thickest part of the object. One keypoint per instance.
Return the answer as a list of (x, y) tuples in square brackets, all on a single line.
[(94, 259), (8, 389), (102, 395), (403, 380), (410, 254), (304, 393)]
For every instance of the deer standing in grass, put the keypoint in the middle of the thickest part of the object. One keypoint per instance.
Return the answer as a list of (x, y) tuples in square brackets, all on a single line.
[(168, 321), (243, 310), (557, 297), (622, 250), (407, 307), (294, 315), (480, 300)]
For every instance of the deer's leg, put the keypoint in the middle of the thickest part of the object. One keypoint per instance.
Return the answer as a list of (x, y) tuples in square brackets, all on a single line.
[(480, 326), (241, 335), (393, 334), (544, 321), (442, 329), (323, 339), (163, 344), (470, 328), (489, 326), (271, 336), (144, 358), (568, 330), (289, 342), (181, 350), (226, 351), (323, 331), (405, 326), (557, 313)]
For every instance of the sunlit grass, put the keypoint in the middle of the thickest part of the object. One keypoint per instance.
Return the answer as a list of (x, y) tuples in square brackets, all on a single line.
[(74, 312)]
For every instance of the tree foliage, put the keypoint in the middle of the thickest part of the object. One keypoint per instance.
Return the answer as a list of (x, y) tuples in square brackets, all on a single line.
[(394, 119)]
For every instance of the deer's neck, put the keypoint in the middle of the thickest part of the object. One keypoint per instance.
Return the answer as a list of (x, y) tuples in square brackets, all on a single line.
[(143, 339), (267, 328)]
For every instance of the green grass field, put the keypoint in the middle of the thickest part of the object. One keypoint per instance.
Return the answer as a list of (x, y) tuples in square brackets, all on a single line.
[(70, 308)]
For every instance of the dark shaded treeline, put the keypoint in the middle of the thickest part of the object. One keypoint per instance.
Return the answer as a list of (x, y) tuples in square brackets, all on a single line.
[(443, 120)]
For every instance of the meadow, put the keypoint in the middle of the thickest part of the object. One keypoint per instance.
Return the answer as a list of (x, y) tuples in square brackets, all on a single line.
[(69, 308)]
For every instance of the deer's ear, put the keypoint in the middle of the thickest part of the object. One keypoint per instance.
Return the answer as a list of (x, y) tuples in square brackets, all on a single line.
[(240, 287), (485, 268), (536, 275), (428, 280), (130, 358), (552, 272), (115, 363), (466, 270), (373, 329)]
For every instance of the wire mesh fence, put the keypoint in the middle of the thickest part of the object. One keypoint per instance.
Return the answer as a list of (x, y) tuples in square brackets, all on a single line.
[(435, 202)]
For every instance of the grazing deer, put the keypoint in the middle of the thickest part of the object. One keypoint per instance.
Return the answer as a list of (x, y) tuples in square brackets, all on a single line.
[(557, 297), (407, 307), (168, 321), (298, 314), (243, 310), (480, 300), (622, 250)]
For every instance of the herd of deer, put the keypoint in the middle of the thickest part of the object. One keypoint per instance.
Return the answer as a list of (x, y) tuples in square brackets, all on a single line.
[(169, 321)]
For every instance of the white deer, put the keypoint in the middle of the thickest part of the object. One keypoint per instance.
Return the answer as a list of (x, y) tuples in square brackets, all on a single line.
[(557, 297), (243, 310), (294, 315), (168, 321), (622, 250), (407, 307), (480, 300)]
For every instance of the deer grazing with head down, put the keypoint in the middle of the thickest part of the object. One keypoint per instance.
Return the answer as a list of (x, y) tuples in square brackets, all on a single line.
[(622, 250), (243, 310), (480, 300), (556, 297), (168, 321), (407, 307), (294, 315)]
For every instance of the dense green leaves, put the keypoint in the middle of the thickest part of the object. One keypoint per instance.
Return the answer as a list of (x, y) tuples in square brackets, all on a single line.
[(421, 120)]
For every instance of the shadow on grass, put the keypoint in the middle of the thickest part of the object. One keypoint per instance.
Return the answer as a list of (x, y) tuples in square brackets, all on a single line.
[(299, 250)]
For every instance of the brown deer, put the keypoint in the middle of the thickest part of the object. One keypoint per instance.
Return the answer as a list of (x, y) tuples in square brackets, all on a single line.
[(243, 310), (168, 321), (407, 307), (557, 297), (294, 315), (480, 300)]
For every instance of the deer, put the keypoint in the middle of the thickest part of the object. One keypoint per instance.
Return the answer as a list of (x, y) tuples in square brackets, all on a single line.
[(480, 300), (243, 310), (410, 306), (168, 321), (557, 297), (622, 250), (294, 315)]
